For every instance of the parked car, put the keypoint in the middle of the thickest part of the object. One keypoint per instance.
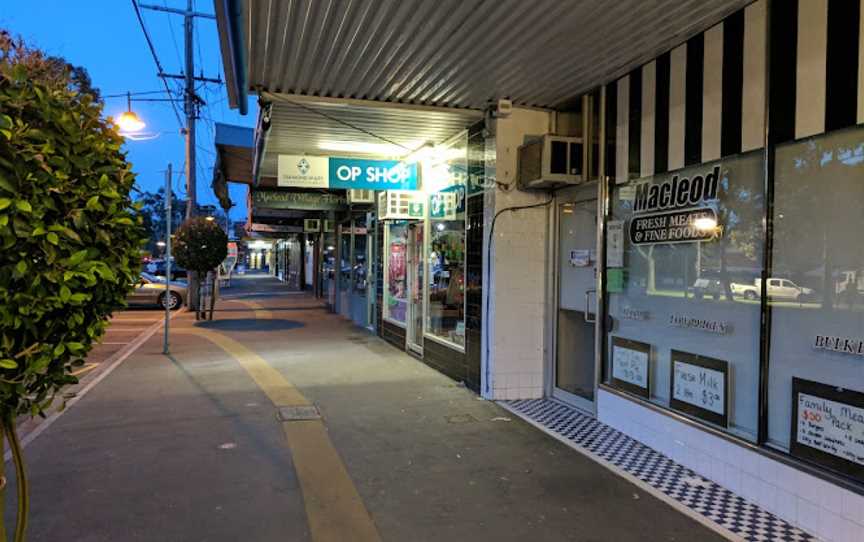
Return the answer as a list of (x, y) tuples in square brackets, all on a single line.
[(777, 289), (150, 290), (707, 288), (157, 269)]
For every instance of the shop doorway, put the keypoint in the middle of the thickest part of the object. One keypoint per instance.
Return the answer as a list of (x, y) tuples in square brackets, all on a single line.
[(372, 264), (414, 322), (574, 370)]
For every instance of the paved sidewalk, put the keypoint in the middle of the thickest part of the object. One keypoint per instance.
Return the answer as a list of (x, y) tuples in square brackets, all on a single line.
[(190, 447)]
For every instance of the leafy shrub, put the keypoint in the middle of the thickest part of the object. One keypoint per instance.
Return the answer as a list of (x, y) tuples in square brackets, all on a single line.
[(69, 237), (200, 245)]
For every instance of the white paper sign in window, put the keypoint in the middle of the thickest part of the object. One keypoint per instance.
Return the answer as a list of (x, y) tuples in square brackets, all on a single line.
[(699, 386)]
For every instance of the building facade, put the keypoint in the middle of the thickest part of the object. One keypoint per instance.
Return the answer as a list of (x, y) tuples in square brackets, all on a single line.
[(675, 251)]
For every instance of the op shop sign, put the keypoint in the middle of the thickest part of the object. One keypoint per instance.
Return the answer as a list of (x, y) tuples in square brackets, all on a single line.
[(345, 173)]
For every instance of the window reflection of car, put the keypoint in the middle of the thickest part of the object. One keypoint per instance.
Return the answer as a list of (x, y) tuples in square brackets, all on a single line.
[(157, 269), (777, 289), (150, 291), (708, 288)]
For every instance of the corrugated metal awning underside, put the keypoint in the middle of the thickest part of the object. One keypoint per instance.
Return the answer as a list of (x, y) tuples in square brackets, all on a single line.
[(300, 125), (460, 53)]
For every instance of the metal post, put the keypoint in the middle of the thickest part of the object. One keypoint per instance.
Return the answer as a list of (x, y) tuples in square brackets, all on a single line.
[(168, 197)]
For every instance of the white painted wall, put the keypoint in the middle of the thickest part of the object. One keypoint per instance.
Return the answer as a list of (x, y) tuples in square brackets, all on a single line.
[(519, 269)]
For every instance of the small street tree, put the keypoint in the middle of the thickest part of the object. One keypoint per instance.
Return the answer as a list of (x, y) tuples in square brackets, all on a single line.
[(201, 245), (69, 235)]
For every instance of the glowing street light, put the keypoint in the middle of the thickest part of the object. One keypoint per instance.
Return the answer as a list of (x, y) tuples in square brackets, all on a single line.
[(128, 121)]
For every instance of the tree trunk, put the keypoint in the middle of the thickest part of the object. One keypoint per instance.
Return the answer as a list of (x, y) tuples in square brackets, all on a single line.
[(2, 486), (214, 284), (724, 273), (193, 290), (21, 483)]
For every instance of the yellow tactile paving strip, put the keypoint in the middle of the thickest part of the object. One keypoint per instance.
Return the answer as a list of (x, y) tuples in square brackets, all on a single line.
[(334, 509)]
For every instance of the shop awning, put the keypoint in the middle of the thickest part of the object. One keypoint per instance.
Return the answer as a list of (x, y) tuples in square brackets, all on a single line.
[(234, 152), (349, 128), (234, 156), (449, 53)]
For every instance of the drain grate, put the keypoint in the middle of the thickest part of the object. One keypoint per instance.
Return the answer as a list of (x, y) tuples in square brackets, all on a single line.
[(298, 413)]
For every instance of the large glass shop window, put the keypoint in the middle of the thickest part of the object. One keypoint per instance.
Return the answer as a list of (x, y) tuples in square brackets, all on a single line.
[(445, 251), (446, 308), (396, 289), (816, 294), (684, 255)]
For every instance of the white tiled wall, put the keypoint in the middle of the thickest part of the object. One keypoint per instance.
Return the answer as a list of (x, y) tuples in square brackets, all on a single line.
[(830, 512), (519, 269)]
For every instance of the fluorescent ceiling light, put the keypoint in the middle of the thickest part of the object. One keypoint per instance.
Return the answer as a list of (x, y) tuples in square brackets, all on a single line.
[(358, 147)]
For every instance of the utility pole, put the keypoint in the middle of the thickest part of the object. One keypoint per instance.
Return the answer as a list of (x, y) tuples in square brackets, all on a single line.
[(190, 108), (190, 99)]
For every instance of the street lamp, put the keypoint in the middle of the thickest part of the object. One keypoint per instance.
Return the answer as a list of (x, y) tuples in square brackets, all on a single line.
[(128, 121)]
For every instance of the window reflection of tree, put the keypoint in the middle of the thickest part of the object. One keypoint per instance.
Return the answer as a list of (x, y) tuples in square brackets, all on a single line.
[(819, 216), (735, 254)]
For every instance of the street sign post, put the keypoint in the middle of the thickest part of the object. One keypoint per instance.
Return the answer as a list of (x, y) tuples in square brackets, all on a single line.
[(168, 198)]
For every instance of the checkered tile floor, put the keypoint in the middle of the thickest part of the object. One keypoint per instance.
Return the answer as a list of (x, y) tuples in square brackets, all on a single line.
[(680, 483)]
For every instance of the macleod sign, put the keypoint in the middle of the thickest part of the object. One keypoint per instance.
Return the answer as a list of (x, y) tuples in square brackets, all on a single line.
[(675, 211)]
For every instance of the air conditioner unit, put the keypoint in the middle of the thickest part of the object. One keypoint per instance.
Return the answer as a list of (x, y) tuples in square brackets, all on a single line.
[(312, 225), (550, 161), (329, 226), (361, 196), (401, 205)]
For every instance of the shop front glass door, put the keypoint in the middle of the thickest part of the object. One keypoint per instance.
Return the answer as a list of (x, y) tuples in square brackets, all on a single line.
[(577, 279), (359, 276), (345, 249), (415, 287)]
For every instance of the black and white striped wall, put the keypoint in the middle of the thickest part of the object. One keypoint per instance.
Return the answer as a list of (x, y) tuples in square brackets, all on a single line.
[(705, 99)]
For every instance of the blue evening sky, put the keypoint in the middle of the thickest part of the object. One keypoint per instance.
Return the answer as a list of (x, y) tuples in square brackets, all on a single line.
[(104, 37)]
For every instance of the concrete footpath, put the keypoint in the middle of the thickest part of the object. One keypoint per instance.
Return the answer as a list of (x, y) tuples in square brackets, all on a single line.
[(222, 441)]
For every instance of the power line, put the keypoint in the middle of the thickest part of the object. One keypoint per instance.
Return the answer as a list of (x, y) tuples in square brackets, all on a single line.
[(198, 45), (173, 37), (156, 59), (141, 93)]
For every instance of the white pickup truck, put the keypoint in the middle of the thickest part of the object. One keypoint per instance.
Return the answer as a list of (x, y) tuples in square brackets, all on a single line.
[(777, 289)]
